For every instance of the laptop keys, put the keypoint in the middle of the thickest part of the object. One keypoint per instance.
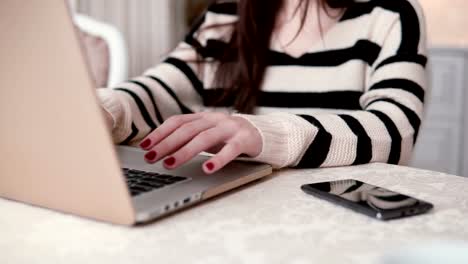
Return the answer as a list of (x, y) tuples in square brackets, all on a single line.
[(142, 181), (177, 178)]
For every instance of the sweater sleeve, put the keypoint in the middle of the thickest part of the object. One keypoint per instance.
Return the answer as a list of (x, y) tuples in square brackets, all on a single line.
[(174, 86), (139, 105), (386, 128)]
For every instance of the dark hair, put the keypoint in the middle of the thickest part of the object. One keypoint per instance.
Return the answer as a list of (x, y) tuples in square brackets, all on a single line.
[(242, 66)]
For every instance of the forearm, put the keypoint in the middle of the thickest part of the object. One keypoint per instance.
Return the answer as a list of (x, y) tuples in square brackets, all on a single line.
[(380, 134), (140, 105)]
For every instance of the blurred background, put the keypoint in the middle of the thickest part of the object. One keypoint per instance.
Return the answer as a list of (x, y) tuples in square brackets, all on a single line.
[(151, 28)]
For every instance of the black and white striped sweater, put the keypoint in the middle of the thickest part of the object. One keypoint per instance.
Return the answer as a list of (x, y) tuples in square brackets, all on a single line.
[(358, 100)]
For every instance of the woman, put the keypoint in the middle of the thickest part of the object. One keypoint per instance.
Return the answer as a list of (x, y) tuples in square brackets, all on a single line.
[(296, 83)]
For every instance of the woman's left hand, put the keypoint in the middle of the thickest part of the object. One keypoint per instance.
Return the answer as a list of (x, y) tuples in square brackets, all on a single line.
[(182, 137)]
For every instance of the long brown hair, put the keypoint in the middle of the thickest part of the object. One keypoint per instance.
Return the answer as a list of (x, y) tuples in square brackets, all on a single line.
[(242, 66)]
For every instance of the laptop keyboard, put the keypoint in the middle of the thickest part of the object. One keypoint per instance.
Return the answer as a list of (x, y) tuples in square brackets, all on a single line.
[(142, 181)]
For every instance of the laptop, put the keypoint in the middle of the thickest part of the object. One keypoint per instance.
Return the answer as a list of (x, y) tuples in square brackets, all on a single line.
[(55, 149)]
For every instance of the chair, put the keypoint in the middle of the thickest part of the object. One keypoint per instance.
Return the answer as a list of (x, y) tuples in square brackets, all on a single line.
[(106, 50)]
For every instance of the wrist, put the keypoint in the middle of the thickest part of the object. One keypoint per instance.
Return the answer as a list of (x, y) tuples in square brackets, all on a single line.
[(111, 106), (285, 138), (115, 113), (274, 146)]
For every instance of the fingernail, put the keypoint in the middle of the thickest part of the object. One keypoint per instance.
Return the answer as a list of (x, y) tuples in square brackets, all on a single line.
[(209, 166), (146, 143), (169, 161), (150, 156)]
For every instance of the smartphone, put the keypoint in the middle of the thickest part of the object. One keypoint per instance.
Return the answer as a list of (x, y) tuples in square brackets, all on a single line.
[(368, 199)]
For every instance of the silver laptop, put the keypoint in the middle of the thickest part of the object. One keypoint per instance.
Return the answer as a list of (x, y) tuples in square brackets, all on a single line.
[(55, 150)]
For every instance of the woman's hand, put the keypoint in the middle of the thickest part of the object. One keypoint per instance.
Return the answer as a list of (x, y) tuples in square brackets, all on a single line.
[(182, 137)]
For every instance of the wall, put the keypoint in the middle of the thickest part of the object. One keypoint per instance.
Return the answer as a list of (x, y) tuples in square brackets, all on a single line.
[(447, 22)]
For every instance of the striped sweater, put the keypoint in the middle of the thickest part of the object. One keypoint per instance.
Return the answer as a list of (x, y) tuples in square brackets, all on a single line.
[(358, 100)]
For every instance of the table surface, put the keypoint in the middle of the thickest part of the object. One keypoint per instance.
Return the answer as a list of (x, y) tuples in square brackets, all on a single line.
[(270, 221)]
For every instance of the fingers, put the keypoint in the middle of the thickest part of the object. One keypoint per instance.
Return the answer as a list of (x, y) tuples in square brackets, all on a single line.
[(176, 140), (230, 151), (168, 127), (201, 142), (185, 136)]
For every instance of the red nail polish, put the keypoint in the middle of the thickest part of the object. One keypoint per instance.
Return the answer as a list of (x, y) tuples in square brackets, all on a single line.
[(146, 143), (210, 166), (150, 156), (169, 161)]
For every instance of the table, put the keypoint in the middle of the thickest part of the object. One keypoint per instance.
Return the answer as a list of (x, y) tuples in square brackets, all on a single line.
[(270, 221)]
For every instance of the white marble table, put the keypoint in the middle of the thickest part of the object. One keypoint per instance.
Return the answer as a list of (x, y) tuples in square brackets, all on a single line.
[(271, 221)]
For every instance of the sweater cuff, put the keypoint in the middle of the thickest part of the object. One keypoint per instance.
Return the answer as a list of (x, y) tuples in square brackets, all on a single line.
[(285, 138), (112, 104)]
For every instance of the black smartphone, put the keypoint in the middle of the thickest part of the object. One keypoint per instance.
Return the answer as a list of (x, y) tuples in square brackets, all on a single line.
[(368, 199)]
